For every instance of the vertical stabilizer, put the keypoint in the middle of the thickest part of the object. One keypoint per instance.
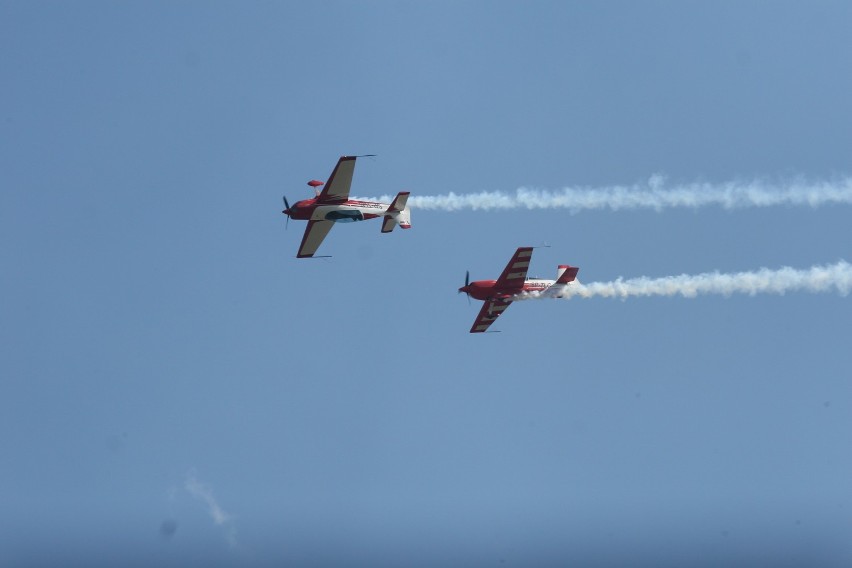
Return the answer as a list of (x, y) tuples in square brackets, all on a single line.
[(566, 273), (397, 213)]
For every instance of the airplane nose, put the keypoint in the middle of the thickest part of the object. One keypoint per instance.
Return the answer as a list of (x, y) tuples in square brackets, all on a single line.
[(466, 290), (466, 287)]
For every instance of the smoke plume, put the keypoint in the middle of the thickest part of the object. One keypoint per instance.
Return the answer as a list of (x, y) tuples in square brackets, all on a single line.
[(204, 493), (829, 278), (654, 194)]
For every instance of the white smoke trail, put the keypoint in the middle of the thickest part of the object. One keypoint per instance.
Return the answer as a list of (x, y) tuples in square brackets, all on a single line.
[(204, 493), (835, 277), (654, 194)]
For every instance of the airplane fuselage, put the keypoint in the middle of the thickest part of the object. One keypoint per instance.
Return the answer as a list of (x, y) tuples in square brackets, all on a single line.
[(488, 289), (344, 212)]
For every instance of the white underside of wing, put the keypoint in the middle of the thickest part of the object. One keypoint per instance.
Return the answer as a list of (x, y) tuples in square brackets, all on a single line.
[(314, 235)]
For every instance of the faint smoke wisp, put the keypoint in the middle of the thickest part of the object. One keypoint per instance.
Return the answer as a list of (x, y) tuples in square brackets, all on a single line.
[(830, 278), (654, 194), (204, 493)]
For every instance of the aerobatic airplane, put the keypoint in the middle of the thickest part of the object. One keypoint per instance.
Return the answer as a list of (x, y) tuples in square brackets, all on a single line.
[(332, 205), (513, 285)]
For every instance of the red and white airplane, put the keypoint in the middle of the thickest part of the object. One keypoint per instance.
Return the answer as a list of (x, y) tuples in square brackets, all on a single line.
[(332, 205), (513, 285)]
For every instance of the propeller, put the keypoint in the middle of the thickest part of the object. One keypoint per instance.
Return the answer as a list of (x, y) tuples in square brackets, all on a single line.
[(466, 284), (286, 212)]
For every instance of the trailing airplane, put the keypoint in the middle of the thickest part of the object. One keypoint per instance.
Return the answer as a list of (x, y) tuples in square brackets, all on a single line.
[(512, 285), (332, 205)]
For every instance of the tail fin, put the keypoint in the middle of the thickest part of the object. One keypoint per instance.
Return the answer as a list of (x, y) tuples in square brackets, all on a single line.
[(397, 213), (566, 274), (399, 202)]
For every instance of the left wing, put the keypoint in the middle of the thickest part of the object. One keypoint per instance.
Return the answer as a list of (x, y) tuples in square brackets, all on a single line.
[(314, 234), (491, 310), (515, 272), (337, 187)]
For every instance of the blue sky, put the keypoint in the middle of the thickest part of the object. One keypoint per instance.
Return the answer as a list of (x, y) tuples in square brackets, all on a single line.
[(177, 387)]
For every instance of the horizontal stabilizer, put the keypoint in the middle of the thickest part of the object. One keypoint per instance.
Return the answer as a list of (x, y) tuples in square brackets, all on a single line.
[(566, 274), (388, 224), (399, 202)]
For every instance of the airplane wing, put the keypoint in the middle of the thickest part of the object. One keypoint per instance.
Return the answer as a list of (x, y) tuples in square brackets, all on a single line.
[(314, 234), (337, 187), (515, 272), (491, 310)]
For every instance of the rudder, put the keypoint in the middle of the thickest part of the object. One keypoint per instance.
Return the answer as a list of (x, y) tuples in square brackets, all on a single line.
[(397, 213)]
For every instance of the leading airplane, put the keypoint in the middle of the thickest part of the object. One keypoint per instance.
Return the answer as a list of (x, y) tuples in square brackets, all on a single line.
[(332, 205), (512, 285)]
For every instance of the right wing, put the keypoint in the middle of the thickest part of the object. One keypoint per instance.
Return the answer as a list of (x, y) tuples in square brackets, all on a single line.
[(491, 310), (515, 272), (314, 234), (337, 187)]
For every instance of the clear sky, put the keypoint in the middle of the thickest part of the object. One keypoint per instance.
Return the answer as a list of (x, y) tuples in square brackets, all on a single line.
[(177, 388)]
